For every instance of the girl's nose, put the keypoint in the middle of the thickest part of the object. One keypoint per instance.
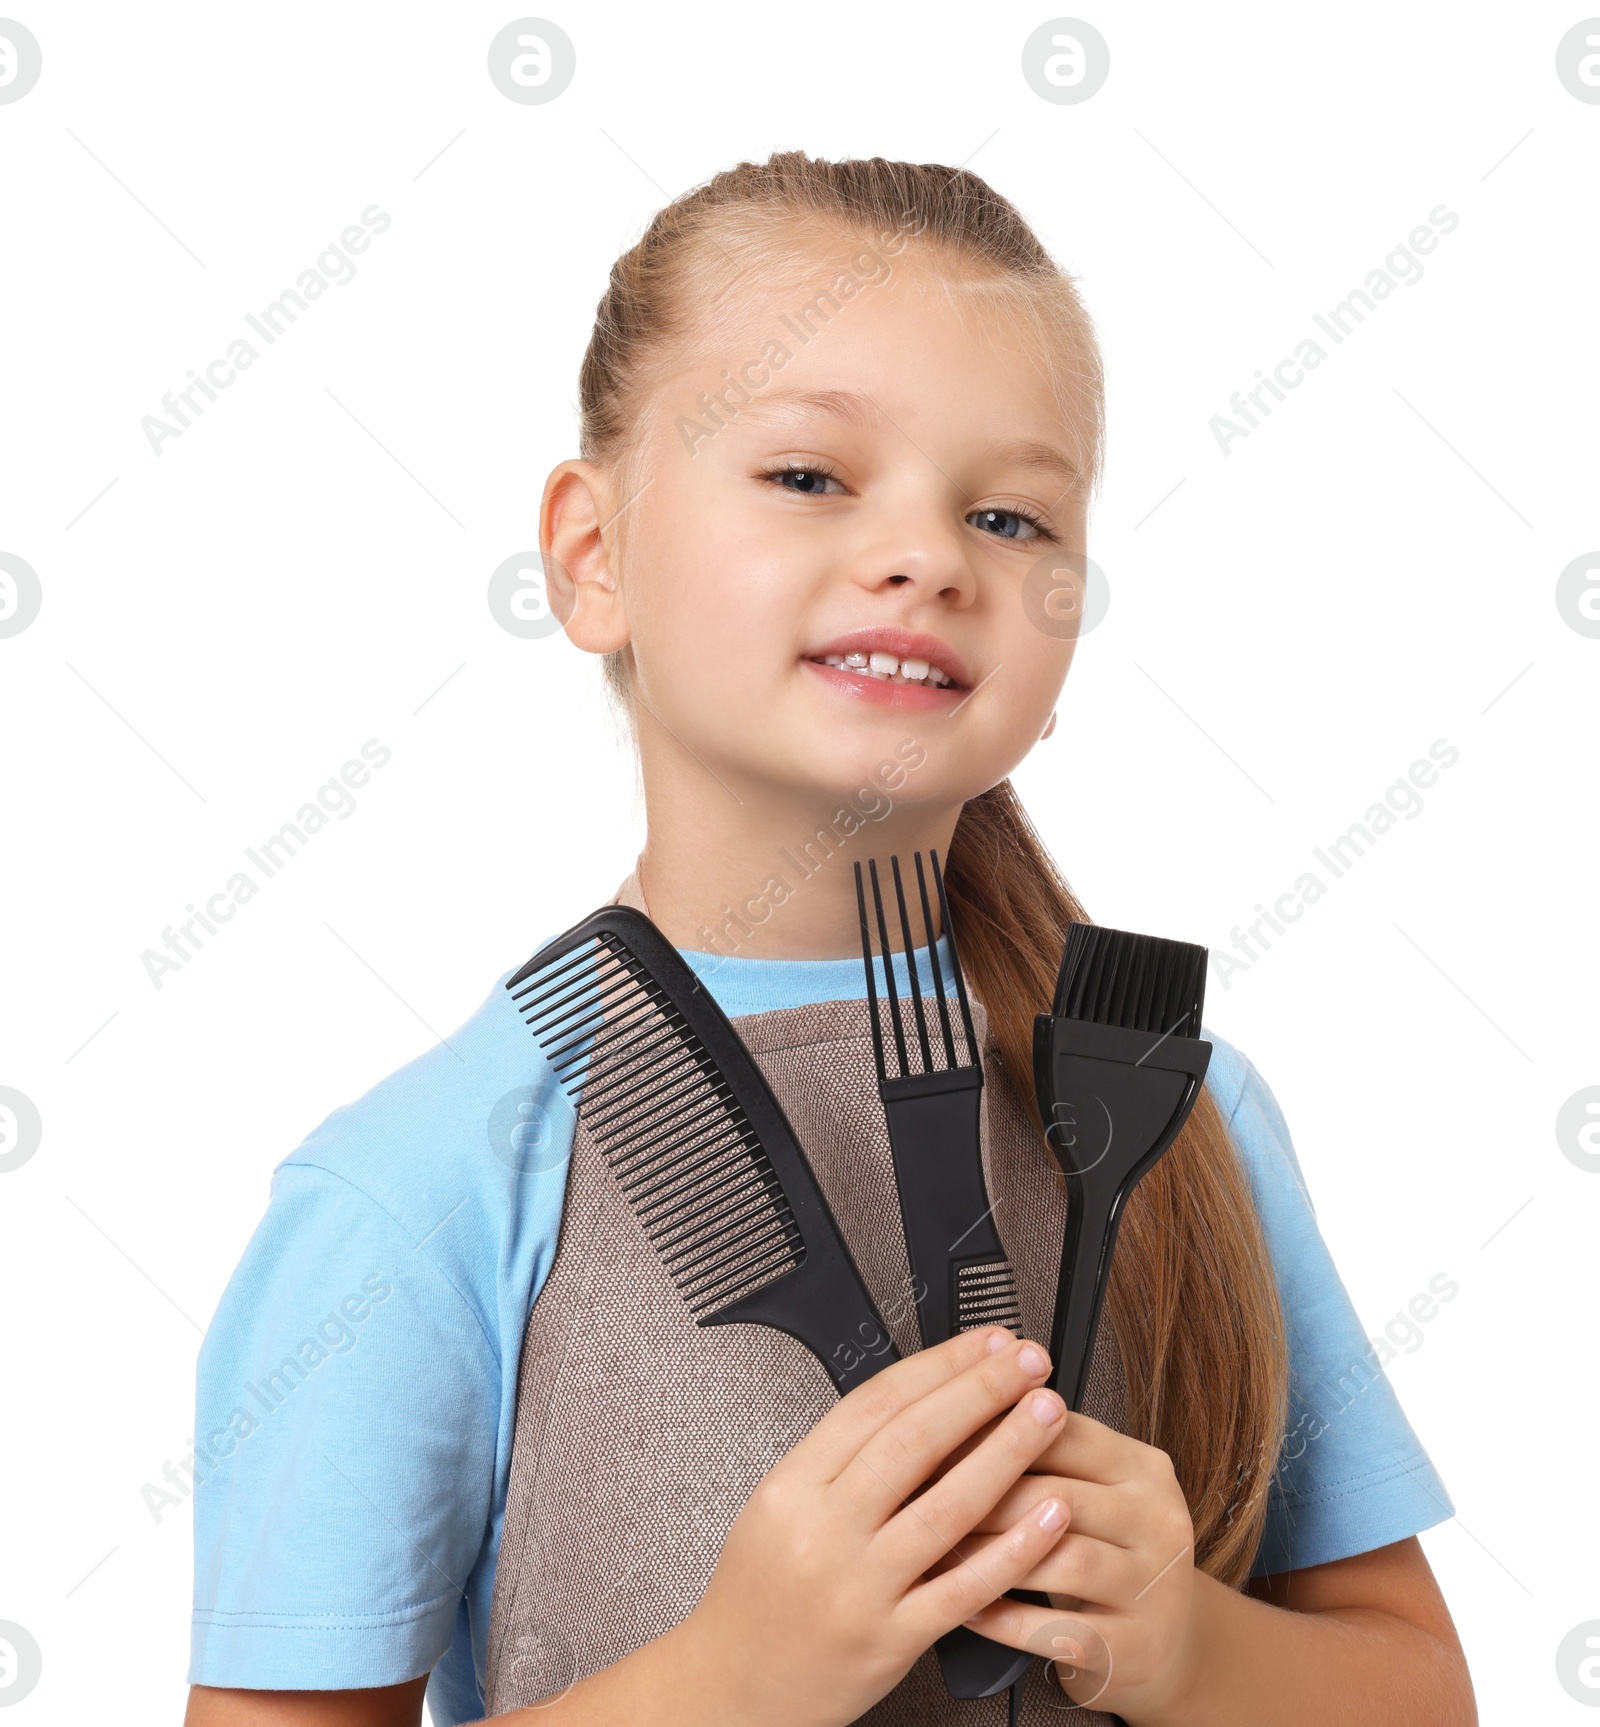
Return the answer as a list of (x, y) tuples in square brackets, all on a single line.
[(920, 548)]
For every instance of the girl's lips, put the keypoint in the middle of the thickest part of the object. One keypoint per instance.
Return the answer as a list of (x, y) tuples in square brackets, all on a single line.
[(885, 693), (904, 644)]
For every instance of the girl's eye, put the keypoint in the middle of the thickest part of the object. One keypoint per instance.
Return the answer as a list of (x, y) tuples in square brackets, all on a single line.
[(1010, 524), (812, 479), (808, 479)]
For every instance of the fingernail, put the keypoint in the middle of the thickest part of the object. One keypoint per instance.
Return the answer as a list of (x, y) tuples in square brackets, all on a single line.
[(1033, 1359), (1052, 1516), (997, 1340), (1046, 1407)]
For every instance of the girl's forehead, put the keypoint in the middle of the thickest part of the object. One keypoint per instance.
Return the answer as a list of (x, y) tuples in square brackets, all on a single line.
[(834, 330), (804, 262)]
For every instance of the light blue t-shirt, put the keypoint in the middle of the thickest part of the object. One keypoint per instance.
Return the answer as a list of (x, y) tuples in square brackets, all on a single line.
[(357, 1385)]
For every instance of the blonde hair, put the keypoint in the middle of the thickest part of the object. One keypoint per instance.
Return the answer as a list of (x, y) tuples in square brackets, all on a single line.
[(1193, 1301)]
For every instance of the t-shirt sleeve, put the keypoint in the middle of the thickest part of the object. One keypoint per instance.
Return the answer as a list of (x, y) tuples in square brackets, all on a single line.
[(341, 1498), (1352, 1475)]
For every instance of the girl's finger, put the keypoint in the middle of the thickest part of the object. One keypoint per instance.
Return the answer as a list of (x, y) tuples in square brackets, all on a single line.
[(1097, 1573), (971, 1444), (1103, 1512), (839, 1436), (1088, 1450), (934, 1522), (941, 1603), (900, 1455)]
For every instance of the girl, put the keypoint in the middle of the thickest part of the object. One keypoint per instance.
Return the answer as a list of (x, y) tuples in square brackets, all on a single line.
[(840, 423)]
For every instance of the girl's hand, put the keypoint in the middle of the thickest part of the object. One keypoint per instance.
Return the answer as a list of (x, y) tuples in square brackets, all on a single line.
[(821, 1600), (1122, 1577)]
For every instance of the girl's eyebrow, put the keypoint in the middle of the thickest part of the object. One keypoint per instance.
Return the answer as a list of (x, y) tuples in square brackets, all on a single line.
[(1029, 453), (841, 404), (861, 410)]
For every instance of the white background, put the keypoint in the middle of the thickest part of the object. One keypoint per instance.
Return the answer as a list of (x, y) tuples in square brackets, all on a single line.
[(306, 567)]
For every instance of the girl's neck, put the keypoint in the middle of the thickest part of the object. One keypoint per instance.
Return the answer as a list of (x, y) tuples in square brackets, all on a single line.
[(774, 879)]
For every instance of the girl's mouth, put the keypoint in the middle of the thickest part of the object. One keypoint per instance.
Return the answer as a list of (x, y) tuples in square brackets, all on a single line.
[(883, 679), (888, 668)]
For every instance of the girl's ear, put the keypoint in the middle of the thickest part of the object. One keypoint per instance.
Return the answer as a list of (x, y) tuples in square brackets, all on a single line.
[(1049, 728), (580, 584)]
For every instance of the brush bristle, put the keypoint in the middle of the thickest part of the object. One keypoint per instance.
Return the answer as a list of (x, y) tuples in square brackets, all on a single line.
[(1142, 982), (653, 1098)]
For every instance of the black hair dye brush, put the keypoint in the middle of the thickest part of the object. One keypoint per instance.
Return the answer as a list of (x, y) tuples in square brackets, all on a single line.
[(1117, 1066), (697, 1141)]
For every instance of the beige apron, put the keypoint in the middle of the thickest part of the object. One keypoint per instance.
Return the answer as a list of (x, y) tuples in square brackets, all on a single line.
[(639, 1434)]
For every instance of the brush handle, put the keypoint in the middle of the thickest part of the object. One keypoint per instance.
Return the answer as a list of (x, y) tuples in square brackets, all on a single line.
[(1112, 1101)]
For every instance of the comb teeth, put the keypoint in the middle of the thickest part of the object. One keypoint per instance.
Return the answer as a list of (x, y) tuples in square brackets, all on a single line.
[(1142, 982), (677, 1140), (891, 1007), (986, 1294)]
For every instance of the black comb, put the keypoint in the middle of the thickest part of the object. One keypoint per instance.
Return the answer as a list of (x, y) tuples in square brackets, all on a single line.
[(698, 1143), (959, 1269), (932, 1106)]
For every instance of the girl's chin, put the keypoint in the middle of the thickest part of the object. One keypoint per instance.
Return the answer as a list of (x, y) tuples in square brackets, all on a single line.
[(847, 686)]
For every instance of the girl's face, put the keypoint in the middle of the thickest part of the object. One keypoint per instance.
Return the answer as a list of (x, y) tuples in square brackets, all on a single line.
[(836, 477)]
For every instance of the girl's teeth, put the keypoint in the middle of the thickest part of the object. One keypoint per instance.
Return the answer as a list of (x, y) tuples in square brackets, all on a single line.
[(888, 666)]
